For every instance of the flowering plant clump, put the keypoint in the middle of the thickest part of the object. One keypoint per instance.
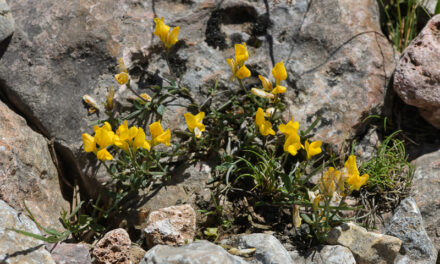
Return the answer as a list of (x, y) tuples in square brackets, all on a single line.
[(263, 160)]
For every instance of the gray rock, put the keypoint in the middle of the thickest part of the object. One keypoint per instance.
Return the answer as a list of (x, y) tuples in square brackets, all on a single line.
[(199, 252), (417, 76), (324, 255), (27, 171), (297, 258), (186, 184), (430, 6), (65, 253), (331, 255), (367, 247), (268, 249), (64, 49), (366, 148), (407, 224), (6, 23), (18, 248), (426, 192)]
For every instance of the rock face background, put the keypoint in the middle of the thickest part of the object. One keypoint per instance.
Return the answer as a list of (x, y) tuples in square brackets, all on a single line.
[(337, 60), (6, 26), (16, 248), (27, 171)]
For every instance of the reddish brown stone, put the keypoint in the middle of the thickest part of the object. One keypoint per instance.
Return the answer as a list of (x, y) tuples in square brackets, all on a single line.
[(27, 171), (417, 76), (113, 248)]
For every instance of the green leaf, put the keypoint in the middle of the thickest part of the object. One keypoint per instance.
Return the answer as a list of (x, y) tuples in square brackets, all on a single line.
[(49, 239), (137, 105), (76, 210), (133, 114), (307, 219), (211, 232), (161, 109), (311, 127)]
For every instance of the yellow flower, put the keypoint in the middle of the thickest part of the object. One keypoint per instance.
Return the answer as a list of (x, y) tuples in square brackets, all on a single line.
[(104, 137), (140, 141), (264, 126), (243, 72), (133, 137), (194, 123), (158, 135), (329, 181), (313, 148), (279, 72), (238, 71), (354, 180), (122, 77), (241, 53), (293, 144), (89, 143), (279, 89), (289, 128), (146, 97), (261, 93), (267, 85), (162, 31), (103, 154)]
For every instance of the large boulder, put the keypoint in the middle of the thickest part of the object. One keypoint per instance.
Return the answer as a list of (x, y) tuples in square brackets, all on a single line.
[(6, 25), (426, 193), (338, 64), (417, 76), (18, 248), (27, 172)]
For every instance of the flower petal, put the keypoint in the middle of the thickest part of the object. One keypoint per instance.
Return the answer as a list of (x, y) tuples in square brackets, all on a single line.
[(279, 72), (243, 72), (89, 143)]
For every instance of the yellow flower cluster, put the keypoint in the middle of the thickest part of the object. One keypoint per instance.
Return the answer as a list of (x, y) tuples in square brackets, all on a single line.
[(280, 74), (290, 130), (333, 180), (127, 139), (239, 70), (163, 32), (98, 144)]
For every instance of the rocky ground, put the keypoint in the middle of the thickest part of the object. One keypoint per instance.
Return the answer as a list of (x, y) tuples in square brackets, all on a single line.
[(340, 66)]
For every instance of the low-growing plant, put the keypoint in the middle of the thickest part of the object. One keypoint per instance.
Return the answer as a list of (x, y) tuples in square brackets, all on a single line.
[(258, 153), (390, 181)]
